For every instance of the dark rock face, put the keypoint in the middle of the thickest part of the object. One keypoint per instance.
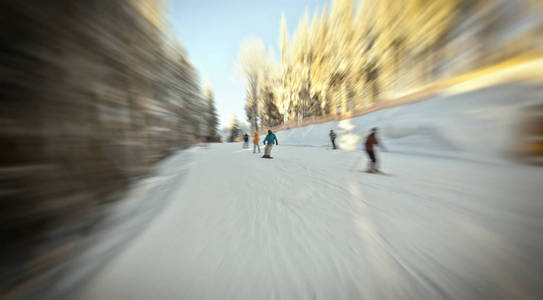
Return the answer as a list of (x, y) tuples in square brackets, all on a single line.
[(92, 96)]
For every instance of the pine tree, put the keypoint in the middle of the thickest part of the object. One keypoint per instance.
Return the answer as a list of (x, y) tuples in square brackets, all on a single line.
[(212, 118), (235, 130), (270, 113), (252, 61), (251, 107)]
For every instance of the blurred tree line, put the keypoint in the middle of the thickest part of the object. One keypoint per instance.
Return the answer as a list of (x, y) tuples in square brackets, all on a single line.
[(93, 95), (234, 130), (358, 53)]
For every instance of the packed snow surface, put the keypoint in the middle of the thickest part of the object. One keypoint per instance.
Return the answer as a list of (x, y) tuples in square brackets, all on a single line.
[(445, 222)]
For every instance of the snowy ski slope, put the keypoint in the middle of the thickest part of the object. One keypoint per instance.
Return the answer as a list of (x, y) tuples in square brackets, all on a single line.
[(455, 220)]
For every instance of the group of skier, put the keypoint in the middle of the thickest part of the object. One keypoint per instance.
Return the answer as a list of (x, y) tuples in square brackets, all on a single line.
[(269, 140), (370, 142)]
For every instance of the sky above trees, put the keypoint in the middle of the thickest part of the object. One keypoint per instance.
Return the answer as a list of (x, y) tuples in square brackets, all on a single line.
[(212, 31)]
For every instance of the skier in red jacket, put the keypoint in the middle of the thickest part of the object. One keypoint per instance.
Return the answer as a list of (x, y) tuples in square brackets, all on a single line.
[(371, 141)]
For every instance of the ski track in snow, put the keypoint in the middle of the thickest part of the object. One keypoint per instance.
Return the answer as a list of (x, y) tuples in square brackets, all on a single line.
[(304, 226)]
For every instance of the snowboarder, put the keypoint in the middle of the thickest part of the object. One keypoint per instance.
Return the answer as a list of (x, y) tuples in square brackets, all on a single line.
[(333, 139), (268, 141), (371, 140), (246, 141), (255, 143)]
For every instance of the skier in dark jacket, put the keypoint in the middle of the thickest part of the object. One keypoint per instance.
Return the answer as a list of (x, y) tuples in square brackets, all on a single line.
[(246, 141), (371, 141), (333, 139)]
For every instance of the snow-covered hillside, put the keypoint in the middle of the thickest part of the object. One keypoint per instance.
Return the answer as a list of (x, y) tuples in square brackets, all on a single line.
[(480, 124)]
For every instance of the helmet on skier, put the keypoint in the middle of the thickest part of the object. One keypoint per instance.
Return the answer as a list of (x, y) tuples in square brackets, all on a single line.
[(374, 129), (269, 131)]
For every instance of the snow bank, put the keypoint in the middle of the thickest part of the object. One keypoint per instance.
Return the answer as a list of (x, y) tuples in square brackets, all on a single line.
[(478, 123), (125, 220)]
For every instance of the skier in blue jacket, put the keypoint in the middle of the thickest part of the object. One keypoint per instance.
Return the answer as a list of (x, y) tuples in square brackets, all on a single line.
[(268, 141)]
